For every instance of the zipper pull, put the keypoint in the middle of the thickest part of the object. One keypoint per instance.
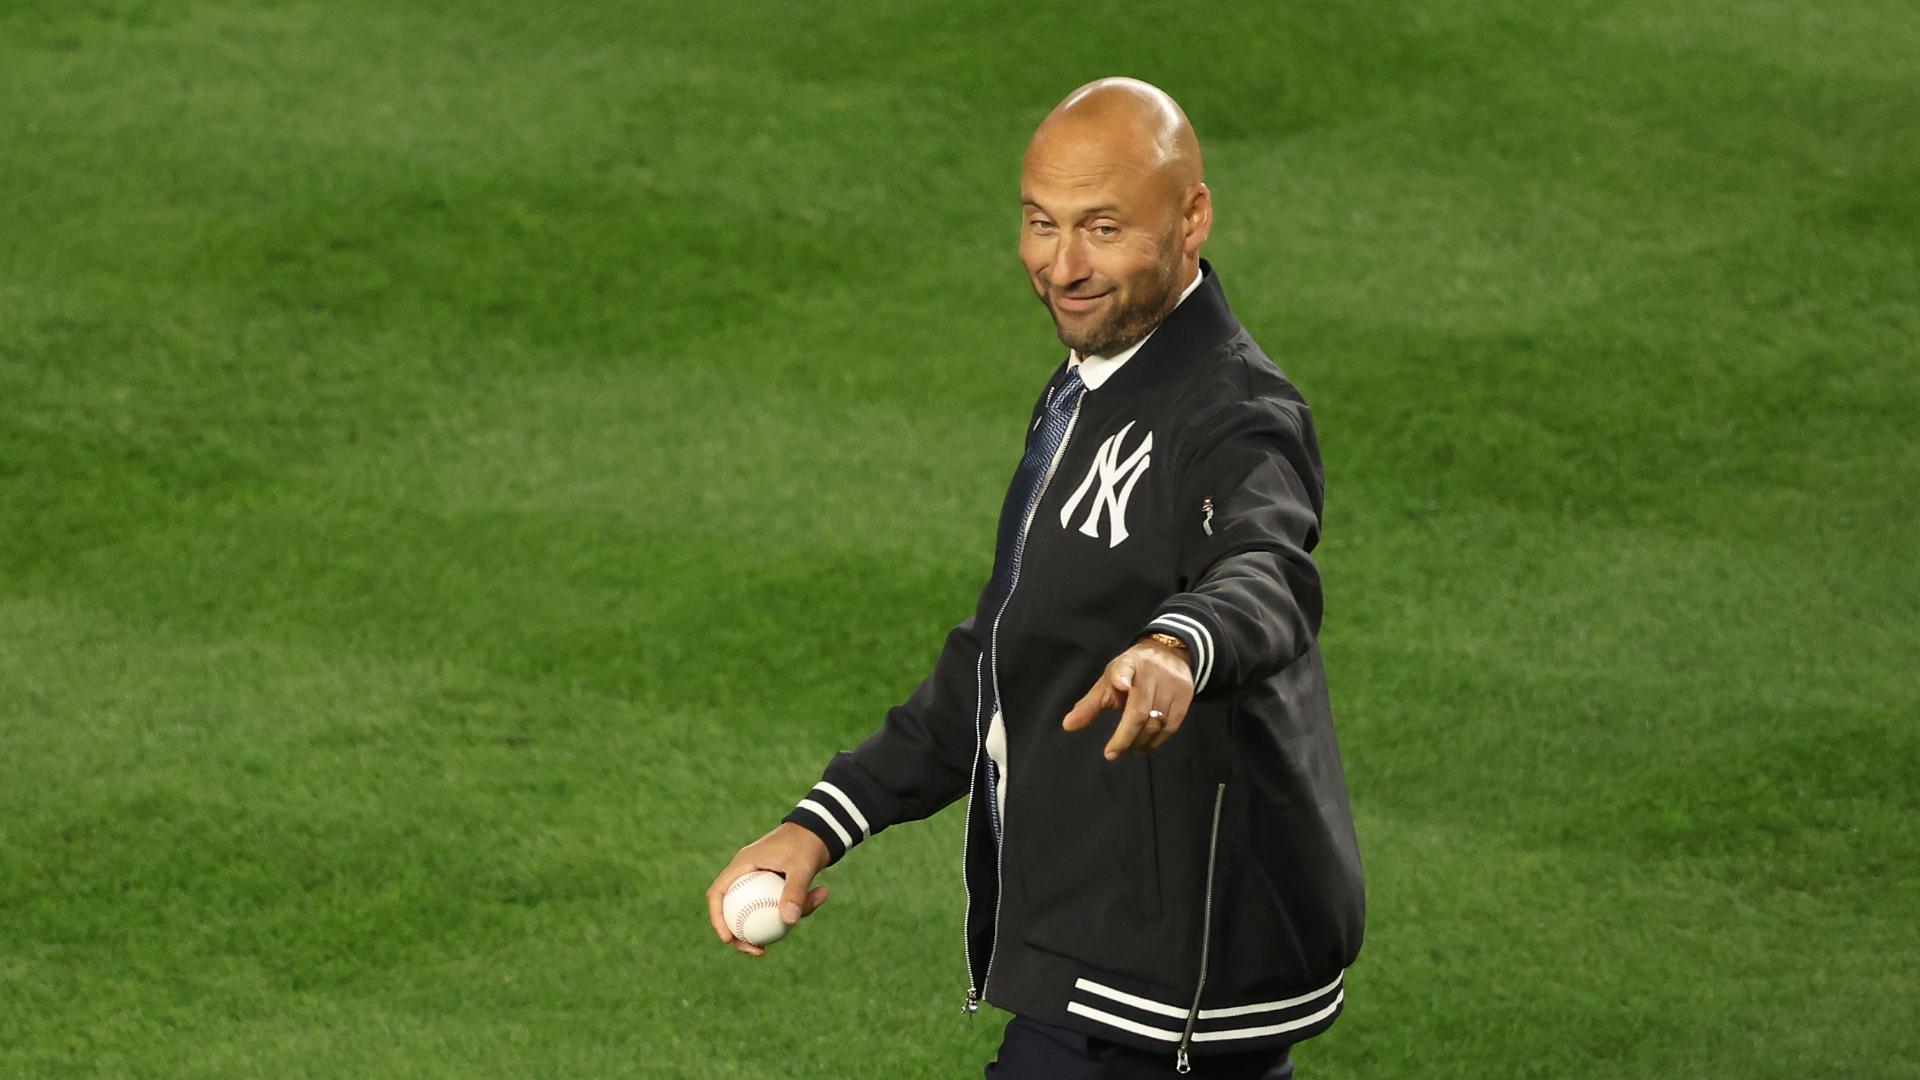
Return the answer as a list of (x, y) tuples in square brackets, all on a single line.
[(1180, 1063), (1206, 523), (972, 1007)]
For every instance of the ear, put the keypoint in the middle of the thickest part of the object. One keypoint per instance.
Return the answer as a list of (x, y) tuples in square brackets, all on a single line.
[(1198, 216)]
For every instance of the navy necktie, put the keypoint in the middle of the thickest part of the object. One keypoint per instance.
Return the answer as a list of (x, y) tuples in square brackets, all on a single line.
[(1029, 483), (1028, 479)]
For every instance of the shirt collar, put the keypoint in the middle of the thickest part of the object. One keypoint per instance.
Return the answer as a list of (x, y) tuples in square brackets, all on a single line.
[(1095, 370)]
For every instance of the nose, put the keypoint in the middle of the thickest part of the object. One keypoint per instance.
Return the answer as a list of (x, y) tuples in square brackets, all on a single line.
[(1069, 266)]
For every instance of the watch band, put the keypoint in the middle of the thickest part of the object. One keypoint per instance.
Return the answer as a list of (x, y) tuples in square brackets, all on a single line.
[(1169, 641)]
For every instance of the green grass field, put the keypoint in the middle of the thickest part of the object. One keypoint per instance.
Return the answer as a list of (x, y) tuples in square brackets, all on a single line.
[(464, 468)]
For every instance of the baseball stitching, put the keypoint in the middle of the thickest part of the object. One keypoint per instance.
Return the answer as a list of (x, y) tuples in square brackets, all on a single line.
[(741, 881), (740, 919)]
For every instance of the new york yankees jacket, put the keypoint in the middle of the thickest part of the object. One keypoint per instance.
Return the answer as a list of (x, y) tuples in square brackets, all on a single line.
[(1207, 896)]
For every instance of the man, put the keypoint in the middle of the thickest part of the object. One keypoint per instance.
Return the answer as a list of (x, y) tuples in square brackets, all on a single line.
[(1160, 860)]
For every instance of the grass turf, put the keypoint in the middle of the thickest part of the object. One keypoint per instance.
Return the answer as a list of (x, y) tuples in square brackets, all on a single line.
[(463, 471)]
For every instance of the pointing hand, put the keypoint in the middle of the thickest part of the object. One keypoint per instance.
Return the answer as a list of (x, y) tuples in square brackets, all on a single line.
[(1153, 683)]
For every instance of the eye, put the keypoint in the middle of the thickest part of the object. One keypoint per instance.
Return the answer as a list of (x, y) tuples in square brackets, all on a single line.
[(1106, 230), (1040, 225)]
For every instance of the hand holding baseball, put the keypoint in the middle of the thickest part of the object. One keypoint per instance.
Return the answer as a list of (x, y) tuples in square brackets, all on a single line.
[(790, 851)]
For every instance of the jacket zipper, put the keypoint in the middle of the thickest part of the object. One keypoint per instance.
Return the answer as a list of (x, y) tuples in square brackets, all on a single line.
[(966, 842), (975, 992), (1180, 1061)]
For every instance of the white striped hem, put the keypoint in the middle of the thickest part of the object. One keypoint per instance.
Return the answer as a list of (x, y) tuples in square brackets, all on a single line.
[(1122, 1023), (1274, 1006), (1189, 627), (1306, 1021), (1210, 1034), (1124, 998)]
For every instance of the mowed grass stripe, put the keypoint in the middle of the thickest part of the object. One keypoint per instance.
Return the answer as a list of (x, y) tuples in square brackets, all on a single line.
[(1589, 913), (276, 836)]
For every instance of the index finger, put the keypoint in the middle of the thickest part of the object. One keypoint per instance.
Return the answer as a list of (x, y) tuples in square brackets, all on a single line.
[(1088, 707)]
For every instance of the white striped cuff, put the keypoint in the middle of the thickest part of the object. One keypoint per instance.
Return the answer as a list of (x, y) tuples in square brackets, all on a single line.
[(830, 813), (1198, 638)]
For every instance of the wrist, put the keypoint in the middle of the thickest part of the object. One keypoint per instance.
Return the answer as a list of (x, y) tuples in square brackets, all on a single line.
[(805, 836), (808, 840), (1195, 634), (1169, 643)]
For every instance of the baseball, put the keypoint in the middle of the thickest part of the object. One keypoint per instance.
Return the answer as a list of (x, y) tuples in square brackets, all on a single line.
[(752, 907)]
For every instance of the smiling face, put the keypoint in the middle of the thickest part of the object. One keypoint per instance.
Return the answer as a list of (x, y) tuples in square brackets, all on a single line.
[(1113, 214)]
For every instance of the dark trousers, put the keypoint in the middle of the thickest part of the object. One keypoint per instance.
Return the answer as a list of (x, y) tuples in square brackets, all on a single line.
[(1031, 1050)]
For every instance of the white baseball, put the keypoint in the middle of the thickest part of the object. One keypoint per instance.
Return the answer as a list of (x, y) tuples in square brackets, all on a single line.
[(752, 907)]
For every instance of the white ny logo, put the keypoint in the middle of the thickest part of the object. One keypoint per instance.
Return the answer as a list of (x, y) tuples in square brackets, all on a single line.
[(1110, 471)]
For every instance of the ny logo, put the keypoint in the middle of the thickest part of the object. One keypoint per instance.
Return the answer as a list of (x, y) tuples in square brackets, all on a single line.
[(1112, 473)]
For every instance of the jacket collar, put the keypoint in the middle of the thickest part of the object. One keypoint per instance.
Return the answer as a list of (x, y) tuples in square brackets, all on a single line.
[(1199, 325)]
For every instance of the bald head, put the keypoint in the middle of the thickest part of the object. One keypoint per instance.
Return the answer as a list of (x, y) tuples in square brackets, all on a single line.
[(1131, 124), (1115, 210)]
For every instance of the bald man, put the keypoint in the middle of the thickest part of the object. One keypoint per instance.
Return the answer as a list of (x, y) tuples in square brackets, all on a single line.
[(1160, 862)]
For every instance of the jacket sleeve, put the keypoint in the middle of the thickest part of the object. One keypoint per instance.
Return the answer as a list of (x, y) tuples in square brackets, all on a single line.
[(920, 760), (1252, 495)]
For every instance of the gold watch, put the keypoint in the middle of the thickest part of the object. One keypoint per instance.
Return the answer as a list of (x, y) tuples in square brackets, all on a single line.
[(1169, 641)]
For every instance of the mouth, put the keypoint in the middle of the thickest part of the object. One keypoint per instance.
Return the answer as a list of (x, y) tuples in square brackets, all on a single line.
[(1078, 303)]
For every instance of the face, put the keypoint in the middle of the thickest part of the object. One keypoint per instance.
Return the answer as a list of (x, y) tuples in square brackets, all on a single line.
[(1104, 245)]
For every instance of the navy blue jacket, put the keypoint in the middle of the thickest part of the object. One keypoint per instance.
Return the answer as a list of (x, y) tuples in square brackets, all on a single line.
[(1207, 896)]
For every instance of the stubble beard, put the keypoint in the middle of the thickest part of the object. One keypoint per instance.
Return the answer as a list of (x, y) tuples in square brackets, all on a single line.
[(1123, 327)]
